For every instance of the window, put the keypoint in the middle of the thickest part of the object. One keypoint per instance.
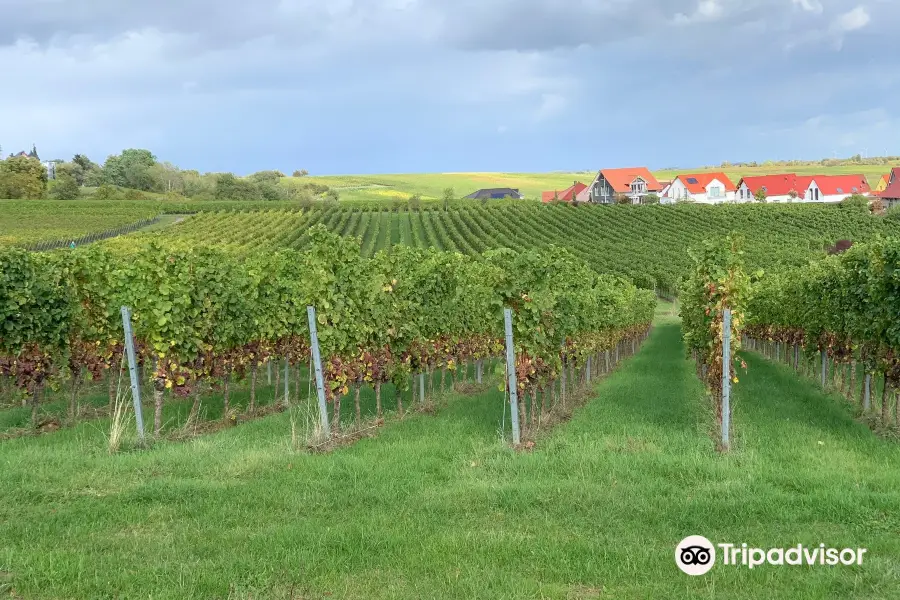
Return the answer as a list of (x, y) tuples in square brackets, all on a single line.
[(715, 191), (817, 194)]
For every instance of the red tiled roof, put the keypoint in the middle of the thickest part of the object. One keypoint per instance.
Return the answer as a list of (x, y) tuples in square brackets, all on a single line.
[(831, 185), (699, 181), (566, 195), (776, 185), (892, 191), (620, 179)]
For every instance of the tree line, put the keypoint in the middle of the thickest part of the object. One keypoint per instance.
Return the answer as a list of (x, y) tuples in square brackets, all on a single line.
[(135, 173)]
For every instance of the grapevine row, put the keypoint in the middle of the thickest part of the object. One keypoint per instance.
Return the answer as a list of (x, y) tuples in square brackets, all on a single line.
[(647, 244), (844, 306), (210, 315)]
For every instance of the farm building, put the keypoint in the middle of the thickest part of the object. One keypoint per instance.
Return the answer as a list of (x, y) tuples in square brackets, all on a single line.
[(566, 195), (789, 187), (495, 193), (890, 195), (705, 188), (634, 183)]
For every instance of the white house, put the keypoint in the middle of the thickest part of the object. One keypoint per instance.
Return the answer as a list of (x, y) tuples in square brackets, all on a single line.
[(704, 188), (834, 188), (612, 184), (789, 187)]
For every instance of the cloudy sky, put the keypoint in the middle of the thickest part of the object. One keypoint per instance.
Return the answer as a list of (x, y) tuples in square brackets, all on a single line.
[(375, 86)]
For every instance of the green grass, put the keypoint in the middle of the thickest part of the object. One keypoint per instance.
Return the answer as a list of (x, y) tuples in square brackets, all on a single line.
[(438, 507)]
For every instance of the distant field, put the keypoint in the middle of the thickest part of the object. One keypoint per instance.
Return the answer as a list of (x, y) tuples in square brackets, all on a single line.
[(431, 185), (24, 222)]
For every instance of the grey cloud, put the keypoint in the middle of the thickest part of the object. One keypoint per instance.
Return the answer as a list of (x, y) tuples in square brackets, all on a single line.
[(216, 23), (520, 25)]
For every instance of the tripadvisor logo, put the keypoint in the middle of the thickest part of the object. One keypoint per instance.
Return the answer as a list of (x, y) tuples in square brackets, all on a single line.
[(696, 555)]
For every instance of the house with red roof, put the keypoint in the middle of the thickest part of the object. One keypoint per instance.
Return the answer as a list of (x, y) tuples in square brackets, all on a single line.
[(890, 196), (790, 187), (566, 195), (834, 188), (634, 183), (705, 188)]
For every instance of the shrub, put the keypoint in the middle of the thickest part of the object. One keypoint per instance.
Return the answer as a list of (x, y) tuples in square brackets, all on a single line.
[(856, 202), (106, 192), (65, 188)]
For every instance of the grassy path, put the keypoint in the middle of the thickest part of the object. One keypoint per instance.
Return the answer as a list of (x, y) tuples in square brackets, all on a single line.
[(438, 507)]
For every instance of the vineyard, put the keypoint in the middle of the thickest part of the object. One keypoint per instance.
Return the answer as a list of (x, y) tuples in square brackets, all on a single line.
[(645, 243), (204, 317), (836, 320), (29, 222), (414, 490)]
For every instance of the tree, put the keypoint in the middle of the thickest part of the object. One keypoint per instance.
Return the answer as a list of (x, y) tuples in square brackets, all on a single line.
[(301, 173), (760, 195), (65, 187), (85, 171), (166, 178), (131, 169), (447, 197), (623, 198), (651, 199), (415, 202), (84, 162), (266, 176), (22, 177), (229, 187), (196, 184), (332, 195), (792, 195), (34, 153), (269, 191), (93, 178)]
